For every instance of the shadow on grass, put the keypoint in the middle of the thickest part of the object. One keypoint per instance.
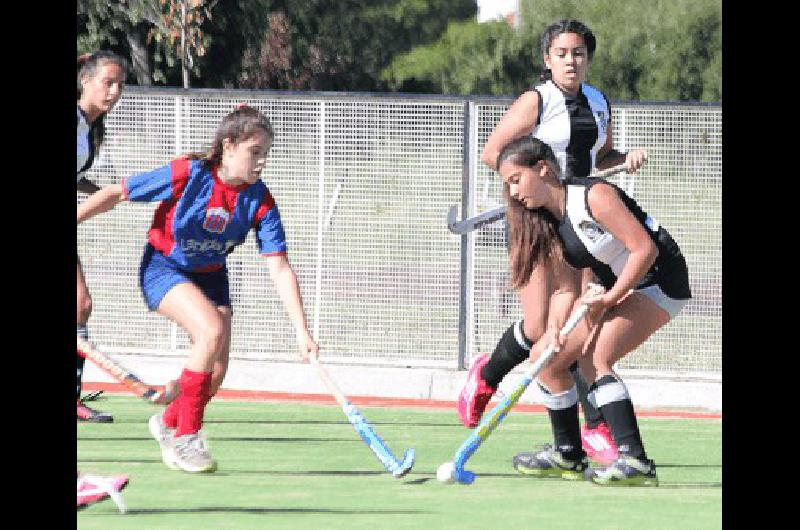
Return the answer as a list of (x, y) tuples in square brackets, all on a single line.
[(709, 466), (343, 421), (309, 473), (417, 481), (117, 460), (690, 485), (245, 510), (216, 439)]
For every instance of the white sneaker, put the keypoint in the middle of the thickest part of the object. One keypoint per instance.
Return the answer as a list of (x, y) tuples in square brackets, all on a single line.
[(165, 438), (94, 488), (192, 455)]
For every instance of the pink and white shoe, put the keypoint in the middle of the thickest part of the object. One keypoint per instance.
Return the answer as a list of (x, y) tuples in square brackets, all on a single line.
[(598, 444), (94, 488), (475, 394)]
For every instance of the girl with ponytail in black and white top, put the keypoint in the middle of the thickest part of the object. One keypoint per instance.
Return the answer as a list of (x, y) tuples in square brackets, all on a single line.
[(566, 225), (574, 119)]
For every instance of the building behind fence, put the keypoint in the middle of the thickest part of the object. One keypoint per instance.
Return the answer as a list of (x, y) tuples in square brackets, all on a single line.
[(363, 183)]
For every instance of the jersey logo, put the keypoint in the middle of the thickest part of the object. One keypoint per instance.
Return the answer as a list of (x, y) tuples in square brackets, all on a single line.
[(216, 220), (591, 230), (194, 247)]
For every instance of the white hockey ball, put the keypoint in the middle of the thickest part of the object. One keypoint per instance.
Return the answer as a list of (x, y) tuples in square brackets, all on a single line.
[(445, 473)]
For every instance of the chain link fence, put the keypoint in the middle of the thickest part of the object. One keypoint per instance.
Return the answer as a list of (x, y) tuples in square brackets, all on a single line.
[(363, 183)]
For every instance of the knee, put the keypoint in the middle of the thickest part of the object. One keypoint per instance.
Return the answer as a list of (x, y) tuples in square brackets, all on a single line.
[(212, 338), (534, 328)]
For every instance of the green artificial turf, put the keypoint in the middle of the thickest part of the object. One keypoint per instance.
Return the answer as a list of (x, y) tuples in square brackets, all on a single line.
[(298, 466)]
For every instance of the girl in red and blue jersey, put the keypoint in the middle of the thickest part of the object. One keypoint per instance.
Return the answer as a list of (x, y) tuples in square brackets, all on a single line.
[(209, 203)]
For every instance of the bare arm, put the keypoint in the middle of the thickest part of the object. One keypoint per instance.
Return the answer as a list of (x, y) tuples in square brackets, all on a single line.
[(102, 201), (519, 120), (285, 281), (608, 157), (609, 210)]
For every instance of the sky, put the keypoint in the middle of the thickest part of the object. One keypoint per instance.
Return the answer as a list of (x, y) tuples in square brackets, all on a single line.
[(491, 9)]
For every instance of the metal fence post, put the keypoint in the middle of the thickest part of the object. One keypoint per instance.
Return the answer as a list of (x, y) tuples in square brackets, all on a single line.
[(320, 222), (466, 287)]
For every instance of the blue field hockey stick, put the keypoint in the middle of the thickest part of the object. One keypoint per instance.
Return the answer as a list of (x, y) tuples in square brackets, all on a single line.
[(364, 429), (490, 422)]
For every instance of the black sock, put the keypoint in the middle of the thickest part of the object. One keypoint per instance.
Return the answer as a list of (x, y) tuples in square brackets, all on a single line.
[(591, 414), (567, 432), (617, 409), (506, 356), (81, 362), (563, 412)]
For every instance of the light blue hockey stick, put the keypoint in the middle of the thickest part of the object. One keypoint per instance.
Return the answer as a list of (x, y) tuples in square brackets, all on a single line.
[(493, 419), (364, 429)]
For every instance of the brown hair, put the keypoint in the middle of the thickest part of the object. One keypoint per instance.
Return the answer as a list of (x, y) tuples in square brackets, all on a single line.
[(533, 234), (88, 63), (239, 125)]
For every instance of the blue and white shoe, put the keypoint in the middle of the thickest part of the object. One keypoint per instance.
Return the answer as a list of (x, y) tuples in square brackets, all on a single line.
[(626, 471), (549, 462)]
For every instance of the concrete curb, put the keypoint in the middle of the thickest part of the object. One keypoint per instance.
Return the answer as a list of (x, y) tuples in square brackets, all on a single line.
[(407, 383)]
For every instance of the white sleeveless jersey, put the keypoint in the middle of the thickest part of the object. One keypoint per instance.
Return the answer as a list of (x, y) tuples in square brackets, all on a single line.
[(85, 150), (588, 244), (574, 127), (597, 241)]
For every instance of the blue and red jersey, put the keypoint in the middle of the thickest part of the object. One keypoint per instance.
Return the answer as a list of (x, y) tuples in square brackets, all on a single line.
[(201, 219)]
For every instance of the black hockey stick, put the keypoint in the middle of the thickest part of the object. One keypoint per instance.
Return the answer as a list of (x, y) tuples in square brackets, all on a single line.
[(490, 216)]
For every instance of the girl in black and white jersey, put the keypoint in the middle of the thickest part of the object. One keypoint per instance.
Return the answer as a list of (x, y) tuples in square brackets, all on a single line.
[(574, 119), (581, 223), (101, 79)]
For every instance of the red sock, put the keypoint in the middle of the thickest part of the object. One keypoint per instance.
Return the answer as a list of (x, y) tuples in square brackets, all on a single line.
[(170, 416), (195, 392)]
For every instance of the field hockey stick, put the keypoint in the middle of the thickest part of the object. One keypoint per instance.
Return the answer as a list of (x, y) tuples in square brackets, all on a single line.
[(490, 216), (91, 396), (125, 376), (493, 419), (364, 429)]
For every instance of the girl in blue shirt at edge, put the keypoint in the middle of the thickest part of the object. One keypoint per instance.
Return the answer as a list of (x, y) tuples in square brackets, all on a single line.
[(209, 203), (101, 80)]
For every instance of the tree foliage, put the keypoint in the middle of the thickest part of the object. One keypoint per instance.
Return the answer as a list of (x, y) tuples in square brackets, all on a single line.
[(341, 45), (470, 58), (314, 44), (148, 31), (646, 50)]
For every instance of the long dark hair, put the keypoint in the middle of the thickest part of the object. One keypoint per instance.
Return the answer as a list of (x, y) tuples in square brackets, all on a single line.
[(239, 125), (566, 25), (533, 234), (88, 64)]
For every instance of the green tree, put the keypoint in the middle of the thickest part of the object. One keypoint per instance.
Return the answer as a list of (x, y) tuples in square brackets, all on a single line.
[(314, 44), (148, 31), (646, 49), (470, 58), (341, 45)]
